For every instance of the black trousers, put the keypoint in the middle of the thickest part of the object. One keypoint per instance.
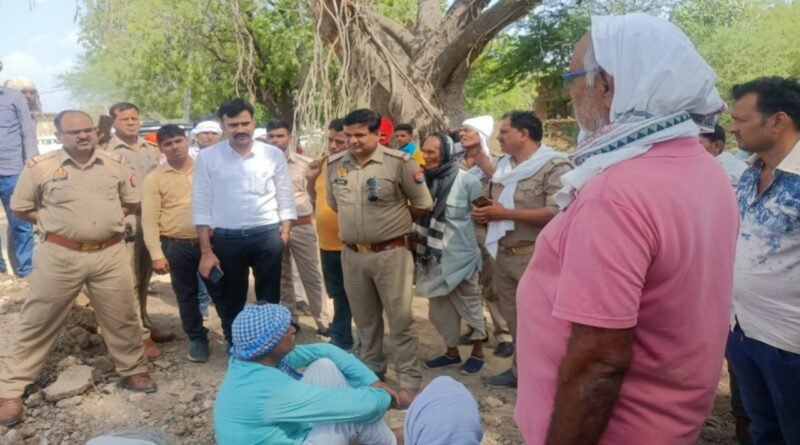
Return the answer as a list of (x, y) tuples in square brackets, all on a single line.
[(184, 258), (259, 249)]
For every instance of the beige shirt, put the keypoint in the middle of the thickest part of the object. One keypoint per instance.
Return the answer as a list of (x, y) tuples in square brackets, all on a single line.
[(298, 168), (142, 159), (533, 193), (167, 207), (399, 180), (80, 203)]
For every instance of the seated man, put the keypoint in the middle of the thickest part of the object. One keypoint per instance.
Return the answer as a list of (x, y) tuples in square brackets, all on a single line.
[(444, 413), (264, 399)]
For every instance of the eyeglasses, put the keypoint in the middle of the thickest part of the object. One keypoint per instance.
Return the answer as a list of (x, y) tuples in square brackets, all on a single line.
[(372, 189), (567, 78)]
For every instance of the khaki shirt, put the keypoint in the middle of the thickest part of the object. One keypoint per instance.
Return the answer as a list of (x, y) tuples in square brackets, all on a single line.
[(167, 207), (141, 160), (533, 193), (400, 180), (298, 167), (80, 203)]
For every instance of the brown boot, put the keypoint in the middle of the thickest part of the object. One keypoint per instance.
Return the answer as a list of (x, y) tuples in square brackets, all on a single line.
[(139, 383), (10, 411), (161, 336), (151, 351), (404, 397)]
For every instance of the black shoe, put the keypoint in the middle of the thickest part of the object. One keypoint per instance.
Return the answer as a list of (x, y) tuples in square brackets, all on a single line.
[(467, 340), (198, 351), (505, 379), (504, 349), (442, 361), (472, 366)]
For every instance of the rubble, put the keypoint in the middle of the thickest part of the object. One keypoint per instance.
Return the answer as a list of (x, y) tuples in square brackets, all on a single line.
[(73, 381)]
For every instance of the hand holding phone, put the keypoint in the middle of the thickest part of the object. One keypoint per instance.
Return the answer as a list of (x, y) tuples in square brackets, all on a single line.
[(481, 201)]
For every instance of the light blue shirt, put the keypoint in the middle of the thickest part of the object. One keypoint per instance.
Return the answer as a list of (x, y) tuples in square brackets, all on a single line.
[(461, 255), (232, 192), (17, 132), (261, 405), (766, 291), (409, 148)]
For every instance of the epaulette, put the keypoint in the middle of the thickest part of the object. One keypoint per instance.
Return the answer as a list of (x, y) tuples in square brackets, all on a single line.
[(110, 155), (336, 157), (555, 162), (397, 153), (37, 159)]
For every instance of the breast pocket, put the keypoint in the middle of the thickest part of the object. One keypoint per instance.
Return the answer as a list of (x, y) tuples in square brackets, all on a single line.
[(530, 195), (60, 193), (261, 183), (387, 190), (343, 193)]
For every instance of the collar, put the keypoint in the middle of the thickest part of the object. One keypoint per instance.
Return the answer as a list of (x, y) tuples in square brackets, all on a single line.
[(170, 168), (64, 157), (116, 142), (292, 156), (791, 163), (229, 149), (377, 156)]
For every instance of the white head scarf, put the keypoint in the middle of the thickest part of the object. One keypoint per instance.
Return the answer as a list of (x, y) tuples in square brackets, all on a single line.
[(663, 90), (484, 125)]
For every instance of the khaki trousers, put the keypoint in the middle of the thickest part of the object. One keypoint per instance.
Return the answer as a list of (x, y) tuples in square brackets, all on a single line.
[(445, 312), (382, 281), (142, 268), (508, 271), (58, 276), (500, 330), (303, 247)]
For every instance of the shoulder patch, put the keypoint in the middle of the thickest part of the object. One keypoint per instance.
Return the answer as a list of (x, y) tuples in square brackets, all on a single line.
[(397, 154), (336, 157), (109, 155)]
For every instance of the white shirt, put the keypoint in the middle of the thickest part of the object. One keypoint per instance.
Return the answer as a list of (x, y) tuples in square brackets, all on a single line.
[(733, 167), (232, 192), (766, 291)]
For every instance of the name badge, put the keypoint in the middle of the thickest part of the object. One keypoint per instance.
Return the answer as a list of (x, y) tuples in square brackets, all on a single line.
[(340, 181)]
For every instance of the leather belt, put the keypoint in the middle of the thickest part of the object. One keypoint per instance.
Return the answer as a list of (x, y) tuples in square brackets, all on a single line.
[(190, 241), (522, 250), (303, 220), (378, 247), (85, 247)]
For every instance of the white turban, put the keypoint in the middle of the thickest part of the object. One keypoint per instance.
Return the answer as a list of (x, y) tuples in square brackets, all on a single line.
[(207, 127), (484, 125), (19, 84)]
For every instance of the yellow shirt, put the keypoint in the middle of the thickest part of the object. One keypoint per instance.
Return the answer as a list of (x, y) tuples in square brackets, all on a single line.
[(327, 219), (167, 207), (417, 156)]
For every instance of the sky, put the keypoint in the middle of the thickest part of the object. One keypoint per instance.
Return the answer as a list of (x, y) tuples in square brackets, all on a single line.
[(40, 43)]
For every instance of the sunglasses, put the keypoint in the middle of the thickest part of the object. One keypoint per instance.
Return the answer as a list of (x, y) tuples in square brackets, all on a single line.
[(372, 189)]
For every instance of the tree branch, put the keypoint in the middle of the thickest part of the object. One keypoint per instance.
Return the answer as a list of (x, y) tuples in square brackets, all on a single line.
[(429, 14), (472, 38), (400, 34)]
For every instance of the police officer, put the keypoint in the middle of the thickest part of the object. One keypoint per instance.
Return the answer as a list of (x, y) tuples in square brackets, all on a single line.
[(377, 192), (142, 157), (78, 197)]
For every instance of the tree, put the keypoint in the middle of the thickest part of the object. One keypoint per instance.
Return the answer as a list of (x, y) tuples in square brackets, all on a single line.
[(413, 72)]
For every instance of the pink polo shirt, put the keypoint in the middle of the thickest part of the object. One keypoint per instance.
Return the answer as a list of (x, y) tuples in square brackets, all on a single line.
[(648, 244)]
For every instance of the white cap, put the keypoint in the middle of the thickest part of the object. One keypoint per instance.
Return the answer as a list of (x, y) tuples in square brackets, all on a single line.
[(260, 133), (207, 127)]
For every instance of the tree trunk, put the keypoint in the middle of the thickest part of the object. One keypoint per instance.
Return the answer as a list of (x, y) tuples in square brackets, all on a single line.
[(418, 76)]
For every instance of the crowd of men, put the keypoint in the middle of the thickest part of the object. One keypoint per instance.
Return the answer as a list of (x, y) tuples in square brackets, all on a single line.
[(617, 277)]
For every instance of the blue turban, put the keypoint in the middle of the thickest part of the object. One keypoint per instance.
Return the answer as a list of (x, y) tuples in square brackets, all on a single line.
[(257, 330)]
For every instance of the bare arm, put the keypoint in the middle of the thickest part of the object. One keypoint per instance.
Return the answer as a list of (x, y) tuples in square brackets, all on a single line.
[(417, 213), (31, 216), (589, 380), (314, 170), (207, 257)]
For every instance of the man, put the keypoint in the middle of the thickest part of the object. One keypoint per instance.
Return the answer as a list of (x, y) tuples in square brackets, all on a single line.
[(448, 258), (330, 247), (478, 160), (764, 345), (385, 131), (714, 143), (170, 235), (377, 192), (404, 135), (17, 144), (141, 157), (303, 242), (204, 135), (627, 299), (78, 197), (29, 90), (242, 191), (264, 399), (522, 192)]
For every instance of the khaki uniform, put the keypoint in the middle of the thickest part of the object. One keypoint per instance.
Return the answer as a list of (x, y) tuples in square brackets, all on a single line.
[(377, 281), (516, 247), (81, 204), (141, 160), (303, 247), (500, 331)]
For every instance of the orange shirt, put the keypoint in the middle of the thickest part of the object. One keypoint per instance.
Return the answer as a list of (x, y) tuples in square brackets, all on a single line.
[(327, 219)]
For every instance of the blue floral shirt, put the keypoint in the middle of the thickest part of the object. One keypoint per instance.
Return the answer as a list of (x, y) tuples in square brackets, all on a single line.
[(767, 277)]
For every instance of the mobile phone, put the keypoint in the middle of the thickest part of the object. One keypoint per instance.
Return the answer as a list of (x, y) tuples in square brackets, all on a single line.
[(215, 275), (481, 201)]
